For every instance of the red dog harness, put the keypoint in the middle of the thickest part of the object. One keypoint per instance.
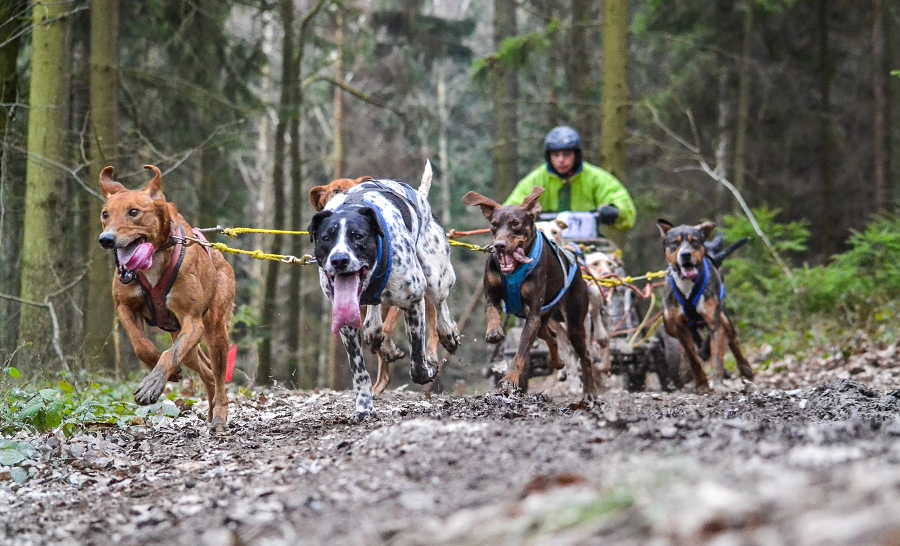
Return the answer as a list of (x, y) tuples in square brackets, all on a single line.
[(155, 296)]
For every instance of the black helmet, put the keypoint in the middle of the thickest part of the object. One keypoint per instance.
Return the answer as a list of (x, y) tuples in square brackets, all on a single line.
[(563, 138)]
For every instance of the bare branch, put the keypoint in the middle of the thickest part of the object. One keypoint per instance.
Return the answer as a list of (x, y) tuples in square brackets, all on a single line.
[(715, 175)]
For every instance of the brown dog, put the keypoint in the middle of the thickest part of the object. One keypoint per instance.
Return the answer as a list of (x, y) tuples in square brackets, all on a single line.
[(185, 290), (319, 196), (535, 283), (381, 342), (694, 302)]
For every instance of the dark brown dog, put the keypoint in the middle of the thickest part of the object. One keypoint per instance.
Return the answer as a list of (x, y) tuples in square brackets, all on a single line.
[(382, 342), (535, 297), (694, 302), (185, 290)]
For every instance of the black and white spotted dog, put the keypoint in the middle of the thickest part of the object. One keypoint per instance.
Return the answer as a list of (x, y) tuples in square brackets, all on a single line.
[(380, 244)]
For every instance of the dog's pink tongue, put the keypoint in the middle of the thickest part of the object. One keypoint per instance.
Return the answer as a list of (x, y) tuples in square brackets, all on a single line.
[(136, 257), (345, 307), (689, 274), (520, 256)]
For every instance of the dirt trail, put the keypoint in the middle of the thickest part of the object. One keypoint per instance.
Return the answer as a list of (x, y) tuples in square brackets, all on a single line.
[(817, 465)]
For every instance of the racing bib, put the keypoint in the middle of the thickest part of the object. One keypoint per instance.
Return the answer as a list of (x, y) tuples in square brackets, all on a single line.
[(582, 225)]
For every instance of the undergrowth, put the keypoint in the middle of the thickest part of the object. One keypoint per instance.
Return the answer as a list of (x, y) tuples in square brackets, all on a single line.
[(856, 291)]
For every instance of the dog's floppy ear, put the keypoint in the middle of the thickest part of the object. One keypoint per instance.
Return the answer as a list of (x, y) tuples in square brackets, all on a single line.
[(154, 188), (315, 197), (561, 224), (706, 228), (107, 184), (531, 204), (488, 205), (664, 226), (370, 213), (316, 222)]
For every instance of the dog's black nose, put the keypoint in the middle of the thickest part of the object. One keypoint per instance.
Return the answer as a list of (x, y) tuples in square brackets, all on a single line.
[(107, 240), (685, 257), (340, 261), (500, 246)]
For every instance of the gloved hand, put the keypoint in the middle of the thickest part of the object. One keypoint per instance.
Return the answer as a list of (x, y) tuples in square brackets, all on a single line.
[(607, 214)]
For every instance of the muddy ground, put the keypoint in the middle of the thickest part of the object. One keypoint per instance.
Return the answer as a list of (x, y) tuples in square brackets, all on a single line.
[(807, 455)]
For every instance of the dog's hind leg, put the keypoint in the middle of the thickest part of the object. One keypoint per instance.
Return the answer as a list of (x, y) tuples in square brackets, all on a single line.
[(548, 332), (388, 352), (743, 366), (423, 366), (352, 339), (689, 352), (373, 328), (717, 355)]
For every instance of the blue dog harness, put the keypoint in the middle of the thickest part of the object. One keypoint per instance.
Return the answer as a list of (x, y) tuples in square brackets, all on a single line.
[(512, 283), (689, 303)]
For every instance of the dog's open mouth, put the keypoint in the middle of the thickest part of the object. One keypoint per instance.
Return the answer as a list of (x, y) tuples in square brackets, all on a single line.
[(688, 271), (137, 256), (509, 261), (347, 288)]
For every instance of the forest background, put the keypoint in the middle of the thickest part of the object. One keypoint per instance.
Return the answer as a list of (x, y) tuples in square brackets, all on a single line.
[(247, 104)]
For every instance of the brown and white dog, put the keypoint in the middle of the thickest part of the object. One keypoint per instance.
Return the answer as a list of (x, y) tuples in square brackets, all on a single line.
[(185, 290), (553, 229), (600, 265), (694, 301), (549, 283)]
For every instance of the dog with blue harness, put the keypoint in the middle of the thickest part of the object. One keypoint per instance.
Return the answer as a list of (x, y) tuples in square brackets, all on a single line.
[(379, 243), (530, 277), (695, 303)]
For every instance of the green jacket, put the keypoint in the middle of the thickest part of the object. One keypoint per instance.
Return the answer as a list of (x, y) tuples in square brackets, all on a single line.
[(592, 187)]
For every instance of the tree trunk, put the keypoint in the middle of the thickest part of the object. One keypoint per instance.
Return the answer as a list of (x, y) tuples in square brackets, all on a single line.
[(722, 154), (579, 69), (99, 314), (45, 182), (505, 98), (743, 105), (827, 133), (444, 140), (12, 188), (267, 317), (879, 131), (340, 366), (893, 99), (614, 105)]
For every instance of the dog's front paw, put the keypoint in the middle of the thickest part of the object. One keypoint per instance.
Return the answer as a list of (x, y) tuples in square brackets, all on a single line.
[(424, 373), (150, 389), (373, 338), (362, 416), (218, 426), (494, 335), (450, 341), (389, 352)]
